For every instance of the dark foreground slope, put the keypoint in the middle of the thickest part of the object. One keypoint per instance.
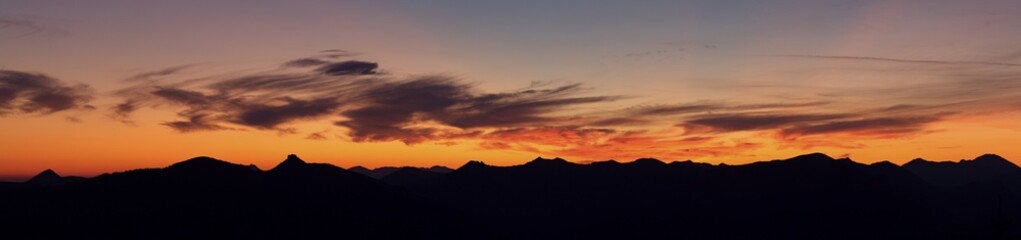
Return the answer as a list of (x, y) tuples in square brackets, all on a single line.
[(806, 197), (205, 198)]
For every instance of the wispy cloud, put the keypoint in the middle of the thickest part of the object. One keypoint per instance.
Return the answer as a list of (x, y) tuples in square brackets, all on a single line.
[(27, 92), (558, 119), (306, 62), (746, 122), (11, 23), (392, 110), (349, 68), (866, 126), (12, 27), (158, 73), (195, 123), (709, 107), (372, 107), (321, 135)]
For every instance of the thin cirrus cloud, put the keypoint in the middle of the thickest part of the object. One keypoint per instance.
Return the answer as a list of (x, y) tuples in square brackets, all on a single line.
[(16, 27), (967, 88), (794, 125), (25, 92), (897, 120), (870, 126), (195, 123), (746, 122), (16, 23), (349, 68), (326, 59), (306, 62), (158, 73), (710, 107), (895, 60), (646, 114)]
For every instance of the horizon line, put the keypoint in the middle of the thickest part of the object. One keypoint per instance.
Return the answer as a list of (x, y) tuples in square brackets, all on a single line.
[(15, 179)]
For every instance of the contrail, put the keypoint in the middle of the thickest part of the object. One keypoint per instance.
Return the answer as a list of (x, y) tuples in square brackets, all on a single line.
[(896, 60)]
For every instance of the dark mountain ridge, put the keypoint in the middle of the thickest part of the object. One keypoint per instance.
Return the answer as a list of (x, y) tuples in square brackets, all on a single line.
[(209, 198), (46, 178), (811, 196), (808, 196), (987, 167)]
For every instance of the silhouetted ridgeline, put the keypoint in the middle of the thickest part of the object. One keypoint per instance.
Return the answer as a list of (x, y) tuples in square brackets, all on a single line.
[(806, 197), (205, 198)]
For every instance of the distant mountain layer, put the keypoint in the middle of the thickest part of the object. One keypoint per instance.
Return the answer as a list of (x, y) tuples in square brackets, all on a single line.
[(810, 196)]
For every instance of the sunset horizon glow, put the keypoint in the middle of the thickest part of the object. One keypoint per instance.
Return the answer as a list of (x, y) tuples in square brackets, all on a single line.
[(103, 87)]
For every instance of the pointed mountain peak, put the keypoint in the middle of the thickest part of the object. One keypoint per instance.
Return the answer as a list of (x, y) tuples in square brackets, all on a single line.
[(47, 176), (291, 162), (47, 173), (362, 170), (294, 158), (473, 164), (359, 168)]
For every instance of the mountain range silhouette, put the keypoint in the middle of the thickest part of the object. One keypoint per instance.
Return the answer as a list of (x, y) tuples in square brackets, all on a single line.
[(811, 196)]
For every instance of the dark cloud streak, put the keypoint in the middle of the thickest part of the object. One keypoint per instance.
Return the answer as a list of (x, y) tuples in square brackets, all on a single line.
[(158, 73), (195, 123), (268, 117), (37, 93), (391, 108), (881, 125), (306, 62), (349, 68), (14, 23), (708, 107), (372, 108), (746, 122)]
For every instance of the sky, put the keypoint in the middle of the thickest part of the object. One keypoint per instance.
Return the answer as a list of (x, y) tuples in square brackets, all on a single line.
[(101, 86)]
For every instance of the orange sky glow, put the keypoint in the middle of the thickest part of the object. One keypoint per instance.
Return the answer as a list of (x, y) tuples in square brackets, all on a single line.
[(118, 86)]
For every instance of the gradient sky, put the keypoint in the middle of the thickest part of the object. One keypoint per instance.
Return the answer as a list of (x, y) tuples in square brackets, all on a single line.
[(99, 86)]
